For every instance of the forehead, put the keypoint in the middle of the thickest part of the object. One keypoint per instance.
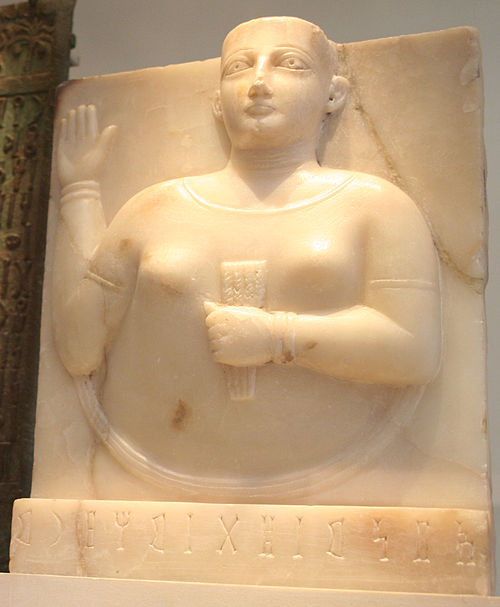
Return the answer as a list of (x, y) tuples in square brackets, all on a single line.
[(263, 33)]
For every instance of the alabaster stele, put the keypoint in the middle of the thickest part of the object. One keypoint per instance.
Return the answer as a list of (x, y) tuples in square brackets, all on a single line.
[(257, 331)]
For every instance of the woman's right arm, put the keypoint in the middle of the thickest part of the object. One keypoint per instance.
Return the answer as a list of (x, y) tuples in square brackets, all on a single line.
[(78, 293)]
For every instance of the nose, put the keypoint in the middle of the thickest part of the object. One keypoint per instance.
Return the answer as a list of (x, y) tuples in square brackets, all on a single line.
[(259, 88)]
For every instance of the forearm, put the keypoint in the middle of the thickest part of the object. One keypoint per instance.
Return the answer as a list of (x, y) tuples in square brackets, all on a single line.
[(362, 344), (78, 303), (83, 216), (79, 329)]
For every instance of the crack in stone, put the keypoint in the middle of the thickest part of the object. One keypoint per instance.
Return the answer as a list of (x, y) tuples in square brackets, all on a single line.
[(358, 106), (476, 284)]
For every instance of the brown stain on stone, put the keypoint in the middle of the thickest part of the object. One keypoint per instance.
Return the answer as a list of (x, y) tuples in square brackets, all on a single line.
[(125, 244), (169, 288), (310, 345), (181, 415)]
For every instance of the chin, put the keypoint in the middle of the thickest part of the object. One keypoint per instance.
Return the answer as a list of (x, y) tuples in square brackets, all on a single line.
[(260, 141), (262, 134)]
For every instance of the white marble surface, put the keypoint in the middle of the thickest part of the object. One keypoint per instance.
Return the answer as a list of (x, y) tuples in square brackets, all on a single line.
[(388, 129), (427, 550), (116, 30), (101, 44), (442, 450), (53, 591)]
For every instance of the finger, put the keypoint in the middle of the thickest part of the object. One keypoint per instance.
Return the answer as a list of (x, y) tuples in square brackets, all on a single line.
[(81, 112), (107, 137), (71, 125), (219, 357), (217, 349), (63, 132), (104, 143), (92, 125), (216, 319), (212, 311), (210, 306), (216, 332), (214, 345)]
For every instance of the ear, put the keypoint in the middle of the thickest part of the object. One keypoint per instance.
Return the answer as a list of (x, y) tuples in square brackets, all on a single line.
[(217, 106), (339, 89)]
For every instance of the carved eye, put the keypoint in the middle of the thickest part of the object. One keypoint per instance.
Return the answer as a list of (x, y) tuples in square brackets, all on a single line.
[(292, 62), (237, 65)]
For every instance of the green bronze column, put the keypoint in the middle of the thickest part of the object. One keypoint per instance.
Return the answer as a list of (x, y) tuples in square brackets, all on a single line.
[(35, 42)]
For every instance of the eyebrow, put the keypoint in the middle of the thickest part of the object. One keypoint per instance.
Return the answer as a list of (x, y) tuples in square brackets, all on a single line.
[(227, 59), (297, 48), (276, 46), (241, 50)]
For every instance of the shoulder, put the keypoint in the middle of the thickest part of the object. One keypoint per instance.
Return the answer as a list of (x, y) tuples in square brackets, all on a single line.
[(150, 200), (390, 217), (381, 201), (130, 228), (382, 196)]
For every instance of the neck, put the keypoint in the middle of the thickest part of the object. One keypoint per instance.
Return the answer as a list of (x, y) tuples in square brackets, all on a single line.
[(270, 172), (266, 162)]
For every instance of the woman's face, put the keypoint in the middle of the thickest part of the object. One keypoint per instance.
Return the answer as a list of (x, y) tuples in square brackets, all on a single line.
[(275, 84)]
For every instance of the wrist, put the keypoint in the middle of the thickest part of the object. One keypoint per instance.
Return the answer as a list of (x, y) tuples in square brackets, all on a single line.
[(80, 190), (283, 337)]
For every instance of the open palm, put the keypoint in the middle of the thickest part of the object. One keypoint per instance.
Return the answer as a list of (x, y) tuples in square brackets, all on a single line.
[(81, 148)]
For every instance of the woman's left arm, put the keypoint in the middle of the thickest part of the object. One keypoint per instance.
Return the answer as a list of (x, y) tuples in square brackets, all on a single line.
[(392, 336)]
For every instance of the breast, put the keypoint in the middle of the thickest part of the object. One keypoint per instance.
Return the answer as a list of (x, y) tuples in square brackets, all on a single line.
[(322, 271), (173, 401), (309, 266), (172, 271)]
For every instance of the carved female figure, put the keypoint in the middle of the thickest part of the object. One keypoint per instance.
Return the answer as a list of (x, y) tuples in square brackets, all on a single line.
[(248, 329)]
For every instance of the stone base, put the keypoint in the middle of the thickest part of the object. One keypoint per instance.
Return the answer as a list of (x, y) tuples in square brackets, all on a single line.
[(344, 547), (18, 590)]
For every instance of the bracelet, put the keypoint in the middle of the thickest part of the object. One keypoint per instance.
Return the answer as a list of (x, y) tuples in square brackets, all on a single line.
[(283, 336), (80, 190)]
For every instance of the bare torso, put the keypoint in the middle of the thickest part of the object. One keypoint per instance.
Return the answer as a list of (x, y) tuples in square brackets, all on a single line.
[(164, 392)]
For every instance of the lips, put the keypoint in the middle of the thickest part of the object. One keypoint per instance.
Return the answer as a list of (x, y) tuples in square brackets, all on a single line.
[(259, 109)]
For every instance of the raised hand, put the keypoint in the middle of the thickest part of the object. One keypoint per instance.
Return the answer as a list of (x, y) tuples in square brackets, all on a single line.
[(81, 148)]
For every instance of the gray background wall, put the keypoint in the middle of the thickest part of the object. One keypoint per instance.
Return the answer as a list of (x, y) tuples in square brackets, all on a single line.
[(119, 35)]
